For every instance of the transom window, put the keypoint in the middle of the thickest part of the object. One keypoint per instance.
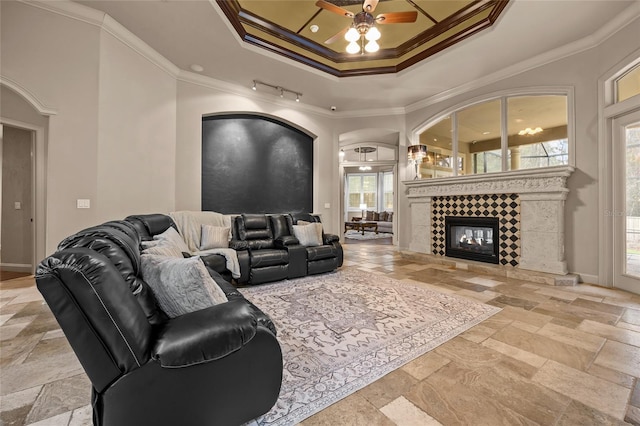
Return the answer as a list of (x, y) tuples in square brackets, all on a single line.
[(628, 85), (496, 135)]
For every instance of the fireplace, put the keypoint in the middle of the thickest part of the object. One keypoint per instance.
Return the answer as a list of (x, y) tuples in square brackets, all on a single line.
[(472, 238)]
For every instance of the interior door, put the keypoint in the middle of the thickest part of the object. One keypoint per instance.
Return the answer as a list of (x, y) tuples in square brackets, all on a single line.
[(626, 214)]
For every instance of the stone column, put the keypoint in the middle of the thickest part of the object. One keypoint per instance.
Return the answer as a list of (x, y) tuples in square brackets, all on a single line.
[(515, 157), (542, 232), (421, 225)]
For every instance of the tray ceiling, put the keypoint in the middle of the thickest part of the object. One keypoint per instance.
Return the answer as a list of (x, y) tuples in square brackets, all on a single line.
[(285, 27)]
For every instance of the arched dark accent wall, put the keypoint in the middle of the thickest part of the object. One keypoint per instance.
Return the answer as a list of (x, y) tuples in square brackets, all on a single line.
[(255, 164)]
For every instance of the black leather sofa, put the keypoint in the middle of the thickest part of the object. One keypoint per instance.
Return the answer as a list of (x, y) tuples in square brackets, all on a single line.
[(217, 366), (268, 250)]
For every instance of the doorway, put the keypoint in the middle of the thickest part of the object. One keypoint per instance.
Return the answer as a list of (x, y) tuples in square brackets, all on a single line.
[(626, 212), (17, 235)]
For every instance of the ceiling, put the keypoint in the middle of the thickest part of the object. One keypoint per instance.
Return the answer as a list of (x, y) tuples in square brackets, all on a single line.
[(188, 32), (312, 35)]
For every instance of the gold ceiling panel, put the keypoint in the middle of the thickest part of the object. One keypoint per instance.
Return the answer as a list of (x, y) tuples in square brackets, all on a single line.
[(284, 27)]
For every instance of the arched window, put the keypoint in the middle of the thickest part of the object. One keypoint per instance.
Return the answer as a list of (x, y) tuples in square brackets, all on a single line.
[(511, 131)]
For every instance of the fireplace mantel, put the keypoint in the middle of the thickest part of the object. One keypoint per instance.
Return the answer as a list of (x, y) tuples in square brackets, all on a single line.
[(541, 194), (528, 181)]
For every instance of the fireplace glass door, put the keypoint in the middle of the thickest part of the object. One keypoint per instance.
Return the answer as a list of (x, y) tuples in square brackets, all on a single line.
[(472, 238)]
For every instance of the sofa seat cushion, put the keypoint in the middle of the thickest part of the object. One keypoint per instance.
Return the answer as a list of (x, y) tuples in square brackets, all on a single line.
[(321, 252), (268, 257)]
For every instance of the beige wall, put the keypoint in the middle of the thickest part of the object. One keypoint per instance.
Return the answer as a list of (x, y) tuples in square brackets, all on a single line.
[(17, 236), (581, 71), (136, 134), (57, 58), (112, 140)]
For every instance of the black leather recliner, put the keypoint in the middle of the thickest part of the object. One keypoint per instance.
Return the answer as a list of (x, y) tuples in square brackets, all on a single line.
[(217, 366), (268, 250)]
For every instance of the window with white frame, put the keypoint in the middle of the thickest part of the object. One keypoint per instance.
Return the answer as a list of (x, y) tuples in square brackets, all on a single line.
[(362, 189), (503, 133), (387, 191)]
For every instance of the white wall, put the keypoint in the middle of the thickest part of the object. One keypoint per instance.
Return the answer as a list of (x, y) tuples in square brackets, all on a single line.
[(57, 59), (113, 138), (581, 71), (136, 134)]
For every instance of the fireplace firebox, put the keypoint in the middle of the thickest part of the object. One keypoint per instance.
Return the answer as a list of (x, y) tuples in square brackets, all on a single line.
[(472, 238)]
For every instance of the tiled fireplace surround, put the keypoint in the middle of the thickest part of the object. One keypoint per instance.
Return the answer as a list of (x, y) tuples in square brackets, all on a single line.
[(529, 204)]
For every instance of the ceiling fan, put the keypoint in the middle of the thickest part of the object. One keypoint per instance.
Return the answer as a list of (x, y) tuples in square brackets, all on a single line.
[(363, 26)]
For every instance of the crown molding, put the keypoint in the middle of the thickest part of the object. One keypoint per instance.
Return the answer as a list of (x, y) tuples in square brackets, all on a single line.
[(40, 106), (623, 19), (105, 22), (116, 29)]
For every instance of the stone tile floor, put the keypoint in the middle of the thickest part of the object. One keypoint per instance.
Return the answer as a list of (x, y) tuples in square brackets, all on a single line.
[(552, 356)]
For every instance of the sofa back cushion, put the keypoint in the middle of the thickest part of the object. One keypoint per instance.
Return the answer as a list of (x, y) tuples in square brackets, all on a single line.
[(281, 225), (149, 225), (255, 230), (119, 242), (102, 320)]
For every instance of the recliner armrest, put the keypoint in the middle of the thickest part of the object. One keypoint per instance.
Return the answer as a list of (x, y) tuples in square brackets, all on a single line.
[(239, 245), (331, 238), (286, 240), (205, 335)]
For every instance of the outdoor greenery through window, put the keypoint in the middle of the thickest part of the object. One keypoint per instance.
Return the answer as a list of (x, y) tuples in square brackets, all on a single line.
[(362, 190), (507, 133)]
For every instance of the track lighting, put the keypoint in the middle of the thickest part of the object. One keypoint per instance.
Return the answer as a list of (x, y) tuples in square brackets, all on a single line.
[(279, 89)]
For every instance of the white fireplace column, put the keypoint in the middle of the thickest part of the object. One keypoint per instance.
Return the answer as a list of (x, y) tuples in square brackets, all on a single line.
[(542, 232), (421, 225)]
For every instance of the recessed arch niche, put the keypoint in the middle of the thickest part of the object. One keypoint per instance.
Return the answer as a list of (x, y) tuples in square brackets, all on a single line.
[(255, 164)]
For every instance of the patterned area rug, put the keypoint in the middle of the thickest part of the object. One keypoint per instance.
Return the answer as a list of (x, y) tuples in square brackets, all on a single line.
[(341, 331), (368, 235)]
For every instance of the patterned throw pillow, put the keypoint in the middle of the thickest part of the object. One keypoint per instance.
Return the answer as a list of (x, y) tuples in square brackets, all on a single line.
[(369, 215), (376, 216), (214, 237), (180, 285), (309, 235), (384, 216)]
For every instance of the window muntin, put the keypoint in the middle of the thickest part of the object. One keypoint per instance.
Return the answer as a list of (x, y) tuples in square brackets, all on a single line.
[(628, 85), (482, 129)]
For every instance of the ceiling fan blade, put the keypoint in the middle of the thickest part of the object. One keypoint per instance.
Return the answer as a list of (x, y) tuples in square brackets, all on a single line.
[(397, 17), (369, 5), (337, 37), (333, 8)]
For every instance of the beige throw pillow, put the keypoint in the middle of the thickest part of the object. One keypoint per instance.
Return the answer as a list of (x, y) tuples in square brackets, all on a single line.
[(309, 235), (214, 237)]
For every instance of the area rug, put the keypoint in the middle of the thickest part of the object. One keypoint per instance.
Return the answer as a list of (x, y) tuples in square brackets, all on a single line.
[(343, 330), (368, 235)]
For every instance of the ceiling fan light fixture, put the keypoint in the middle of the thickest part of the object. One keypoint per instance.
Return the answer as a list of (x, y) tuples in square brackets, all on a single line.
[(373, 34), (353, 47), (352, 35), (372, 46)]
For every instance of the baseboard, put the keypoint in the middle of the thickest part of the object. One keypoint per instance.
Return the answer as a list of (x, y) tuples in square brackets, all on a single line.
[(587, 278), (16, 267)]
